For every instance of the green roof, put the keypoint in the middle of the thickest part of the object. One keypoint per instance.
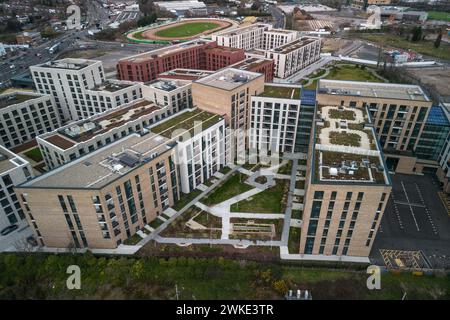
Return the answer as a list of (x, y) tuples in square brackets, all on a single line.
[(7, 100), (186, 121), (281, 92)]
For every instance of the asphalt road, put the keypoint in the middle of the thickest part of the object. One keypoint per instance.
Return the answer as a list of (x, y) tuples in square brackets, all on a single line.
[(278, 16)]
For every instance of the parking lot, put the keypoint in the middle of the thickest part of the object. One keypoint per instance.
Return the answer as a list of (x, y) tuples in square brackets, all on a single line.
[(415, 220)]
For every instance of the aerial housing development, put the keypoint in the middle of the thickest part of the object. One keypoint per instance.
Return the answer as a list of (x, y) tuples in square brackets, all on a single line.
[(237, 150)]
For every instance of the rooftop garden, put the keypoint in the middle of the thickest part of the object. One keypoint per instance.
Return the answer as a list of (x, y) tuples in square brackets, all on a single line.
[(341, 114), (34, 154), (233, 186), (345, 139), (294, 240), (272, 200), (281, 92), (186, 121), (10, 99)]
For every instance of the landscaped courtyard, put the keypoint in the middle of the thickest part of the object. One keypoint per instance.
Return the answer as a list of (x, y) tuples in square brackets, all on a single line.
[(233, 186), (272, 200)]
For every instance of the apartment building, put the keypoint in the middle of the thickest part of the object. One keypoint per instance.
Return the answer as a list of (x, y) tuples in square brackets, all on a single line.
[(174, 94), (106, 196), (399, 113), (247, 38), (80, 88), (347, 186), (196, 54), (65, 80), (274, 38), (79, 138), (294, 56), (13, 171), (228, 92), (201, 147), (24, 115), (274, 118), (258, 65)]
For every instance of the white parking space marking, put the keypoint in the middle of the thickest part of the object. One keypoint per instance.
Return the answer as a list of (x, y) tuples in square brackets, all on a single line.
[(397, 213), (433, 226), (410, 206)]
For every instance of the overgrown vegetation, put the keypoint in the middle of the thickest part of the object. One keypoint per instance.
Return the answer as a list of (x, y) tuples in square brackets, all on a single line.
[(43, 276)]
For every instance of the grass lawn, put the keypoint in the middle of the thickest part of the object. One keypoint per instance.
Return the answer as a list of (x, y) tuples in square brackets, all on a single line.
[(424, 47), (156, 223), (345, 139), (294, 240), (34, 154), (351, 72), (272, 200), (286, 169), (297, 214), (300, 184), (281, 92), (185, 198), (186, 30), (233, 186), (132, 240), (179, 229), (439, 15)]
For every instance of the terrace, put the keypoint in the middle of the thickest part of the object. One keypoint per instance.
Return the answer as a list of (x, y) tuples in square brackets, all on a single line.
[(112, 86), (166, 85), (10, 99), (294, 45), (281, 92), (68, 64), (229, 79), (346, 150), (87, 129)]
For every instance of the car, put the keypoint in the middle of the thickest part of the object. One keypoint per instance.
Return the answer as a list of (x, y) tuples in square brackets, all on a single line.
[(9, 229)]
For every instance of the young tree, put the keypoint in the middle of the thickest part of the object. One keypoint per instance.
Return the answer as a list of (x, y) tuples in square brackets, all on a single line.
[(417, 34), (437, 42)]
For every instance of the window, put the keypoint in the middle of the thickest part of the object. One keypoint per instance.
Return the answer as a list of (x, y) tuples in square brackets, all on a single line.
[(333, 195), (318, 195), (349, 196), (360, 196), (72, 204), (315, 210), (62, 203)]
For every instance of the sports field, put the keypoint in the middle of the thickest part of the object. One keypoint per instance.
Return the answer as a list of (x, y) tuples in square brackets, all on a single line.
[(186, 30)]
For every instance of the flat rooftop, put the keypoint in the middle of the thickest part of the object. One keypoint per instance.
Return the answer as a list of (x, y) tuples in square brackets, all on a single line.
[(165, 51), (188, 120), (245, 29), (186, 74), (86, 129), (68, 64), (167, 85), (9, 160), (9, 99), (346, 149), (112, 86), (372, 90), (294, 45), (104, 165), (281, 31), (229, 78), (250, 63), (281, 92)]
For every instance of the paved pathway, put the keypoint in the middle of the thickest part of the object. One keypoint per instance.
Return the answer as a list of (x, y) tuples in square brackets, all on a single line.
[(190, 204)]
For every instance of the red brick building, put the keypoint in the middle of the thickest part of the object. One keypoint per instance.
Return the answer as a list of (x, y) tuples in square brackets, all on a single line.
[(198, 54)]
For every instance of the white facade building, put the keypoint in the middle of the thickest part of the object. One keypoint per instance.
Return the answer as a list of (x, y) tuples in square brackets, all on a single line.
[(202, 153), (247, 38), (176, 95), (84, 136), (14, 170), (80, 88), (24, 115), (274, 38), (294, 56), (274, 118)]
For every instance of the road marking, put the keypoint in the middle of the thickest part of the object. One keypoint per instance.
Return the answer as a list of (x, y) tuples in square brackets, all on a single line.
[(410, 207), (430, 220)]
